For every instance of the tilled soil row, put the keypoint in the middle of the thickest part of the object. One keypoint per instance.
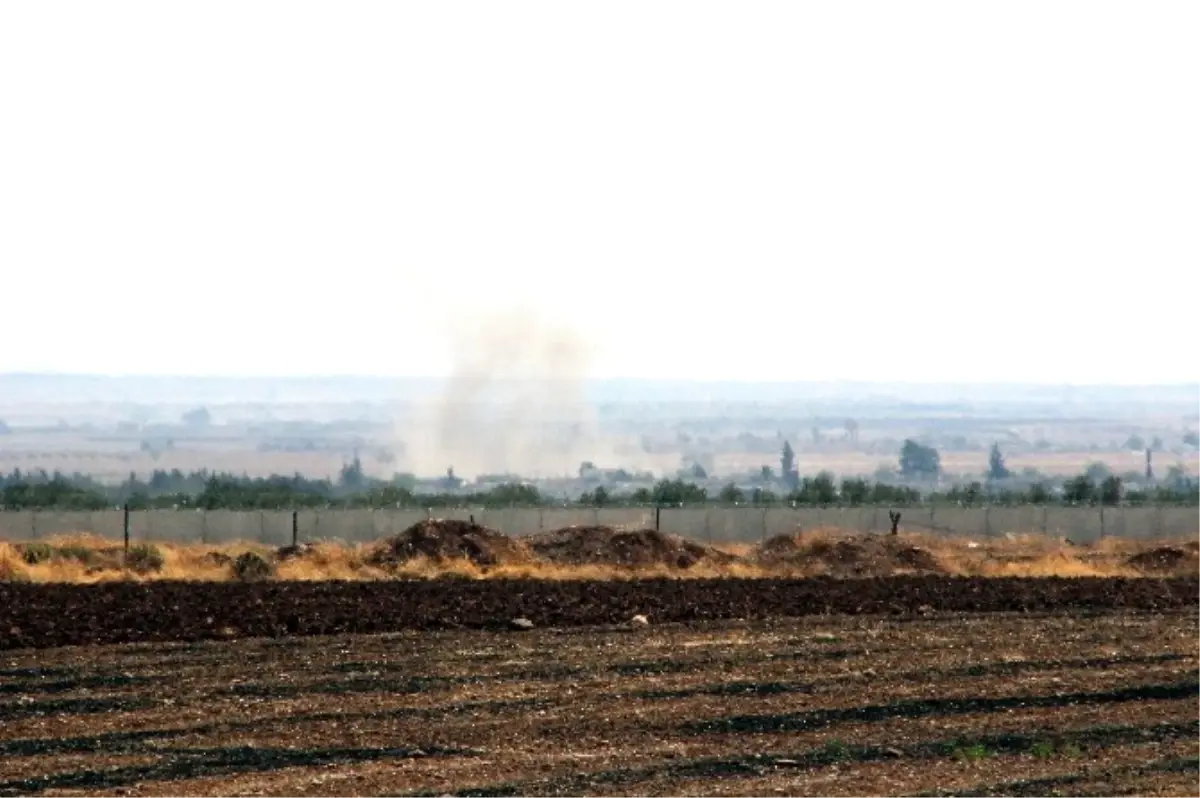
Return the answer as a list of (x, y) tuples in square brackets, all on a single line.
[(49, 615)]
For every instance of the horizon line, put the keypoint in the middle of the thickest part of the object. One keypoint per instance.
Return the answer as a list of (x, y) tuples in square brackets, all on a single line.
[(1194, 384)]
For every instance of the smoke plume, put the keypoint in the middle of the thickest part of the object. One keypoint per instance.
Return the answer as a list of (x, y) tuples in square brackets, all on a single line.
[(514, 402)]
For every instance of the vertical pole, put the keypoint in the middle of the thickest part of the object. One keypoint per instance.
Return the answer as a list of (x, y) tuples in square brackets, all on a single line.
[(1102, 520), (657, 518), (125, 526), (1044, 512), (295, 528)]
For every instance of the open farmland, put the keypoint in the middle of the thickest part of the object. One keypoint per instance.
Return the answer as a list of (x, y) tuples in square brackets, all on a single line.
[(1069, 701), (451, 659)]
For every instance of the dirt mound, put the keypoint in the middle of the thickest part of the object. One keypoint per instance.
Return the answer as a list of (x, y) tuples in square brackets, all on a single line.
[(604, 545), (1166, 559), (251, 567), (859, 555), (300, 550), (440, 539)]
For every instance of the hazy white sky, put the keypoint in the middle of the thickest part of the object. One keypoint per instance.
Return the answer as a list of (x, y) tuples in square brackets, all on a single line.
[(962, 191)]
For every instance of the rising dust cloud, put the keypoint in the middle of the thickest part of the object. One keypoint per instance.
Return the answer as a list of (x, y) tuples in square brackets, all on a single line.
[(513, 404)]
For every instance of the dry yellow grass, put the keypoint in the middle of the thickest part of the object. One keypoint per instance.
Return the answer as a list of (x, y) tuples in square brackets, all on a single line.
[(1013, 555)]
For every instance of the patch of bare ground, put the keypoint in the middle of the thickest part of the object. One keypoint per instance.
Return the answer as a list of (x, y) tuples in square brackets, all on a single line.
[(966, 703), (636, 548)]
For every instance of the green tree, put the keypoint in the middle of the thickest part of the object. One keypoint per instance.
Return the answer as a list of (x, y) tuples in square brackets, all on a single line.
[(731, 494), (596, 498), (1110, 490), (1079, 490), (855, 491), (677, 492), (761, 496), (351, 478), (513, 494), (197, 417), (819, 490), (1038, 494), (996, 468), (787, 466), (919, 461)]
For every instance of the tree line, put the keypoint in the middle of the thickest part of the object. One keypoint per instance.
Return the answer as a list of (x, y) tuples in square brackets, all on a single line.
[(205, 490)]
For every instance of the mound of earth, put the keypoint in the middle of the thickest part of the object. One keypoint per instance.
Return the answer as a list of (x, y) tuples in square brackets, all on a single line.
[(440, 539), (1166, 559), (604, 545), (859, 555)]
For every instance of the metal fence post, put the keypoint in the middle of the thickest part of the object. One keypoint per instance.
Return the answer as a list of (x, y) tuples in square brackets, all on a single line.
[(295, 528), (125, 526)]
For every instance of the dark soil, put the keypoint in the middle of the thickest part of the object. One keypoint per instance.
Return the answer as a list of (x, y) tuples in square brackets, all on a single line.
[(859, 555), (603, 545), (48, 615), (440, 539), (1059, 703), (299, 551)]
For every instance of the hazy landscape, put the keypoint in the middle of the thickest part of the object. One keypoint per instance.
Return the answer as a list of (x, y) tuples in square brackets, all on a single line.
[(543, 429), (548, 398)]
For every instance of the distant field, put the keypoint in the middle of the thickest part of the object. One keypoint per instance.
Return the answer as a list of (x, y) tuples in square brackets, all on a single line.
[(114, 459), (1063, 464), (105, 463)]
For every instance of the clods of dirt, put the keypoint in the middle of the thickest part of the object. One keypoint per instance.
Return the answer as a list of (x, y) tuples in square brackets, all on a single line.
[(858, 555), (300, 550), (604, 545), (251, 567), (1167, 559), (441, 539)]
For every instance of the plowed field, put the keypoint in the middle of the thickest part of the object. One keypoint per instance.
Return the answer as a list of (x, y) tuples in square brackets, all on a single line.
[(1083, 700), (46, 615)]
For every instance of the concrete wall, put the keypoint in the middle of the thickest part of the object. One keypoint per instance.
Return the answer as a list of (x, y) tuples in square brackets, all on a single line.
[(718, 524)]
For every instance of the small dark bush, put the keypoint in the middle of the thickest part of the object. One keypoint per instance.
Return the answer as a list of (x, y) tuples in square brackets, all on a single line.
[(144, 558), (34, 553), (76, 552), (250, 567)]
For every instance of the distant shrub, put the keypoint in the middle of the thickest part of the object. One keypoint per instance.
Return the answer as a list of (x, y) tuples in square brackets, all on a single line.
[(73, 551), (35, 553), (251, 567), (144, 558)]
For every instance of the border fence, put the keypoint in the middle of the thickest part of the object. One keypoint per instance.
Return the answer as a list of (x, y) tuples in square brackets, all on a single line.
[(706, 524)]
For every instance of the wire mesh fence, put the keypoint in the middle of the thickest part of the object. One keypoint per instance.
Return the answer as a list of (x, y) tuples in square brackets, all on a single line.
[(709, 524)]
